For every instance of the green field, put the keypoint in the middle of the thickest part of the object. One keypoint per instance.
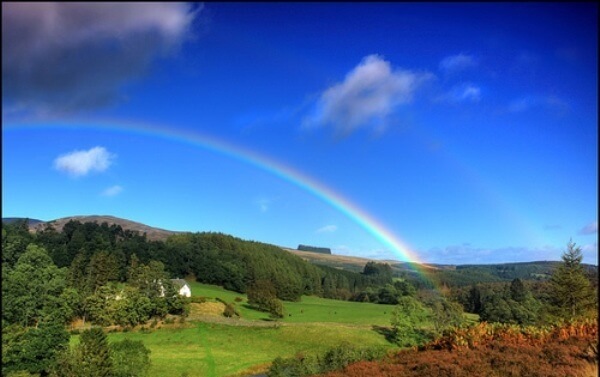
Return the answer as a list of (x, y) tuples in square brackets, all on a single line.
[(309, 310), (221, 350), (211, 349)]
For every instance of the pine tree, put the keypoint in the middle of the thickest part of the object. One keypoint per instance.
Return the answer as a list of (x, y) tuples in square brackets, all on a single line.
[(572, 292), (95, 354), (518, 291)]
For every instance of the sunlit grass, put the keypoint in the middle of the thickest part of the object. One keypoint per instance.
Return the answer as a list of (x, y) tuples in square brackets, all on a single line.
[(221, 350)]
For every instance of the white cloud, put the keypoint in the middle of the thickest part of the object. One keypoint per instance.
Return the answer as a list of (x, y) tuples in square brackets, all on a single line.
[(455, 63), (591, 228), (465, 92), (369, 94), (112, 191), (468, 254), (80, 163), (327, 229), (263, 204), (60, 57)]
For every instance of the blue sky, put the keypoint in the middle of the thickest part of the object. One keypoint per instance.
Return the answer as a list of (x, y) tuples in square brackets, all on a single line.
[(467, 131)]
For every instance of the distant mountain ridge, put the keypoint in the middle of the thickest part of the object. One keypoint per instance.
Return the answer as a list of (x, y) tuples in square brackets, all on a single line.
[(9, 220), (152, 233), (351, 263)]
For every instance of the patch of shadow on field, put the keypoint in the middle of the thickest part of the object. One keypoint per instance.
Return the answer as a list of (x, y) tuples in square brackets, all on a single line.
[(387, 332)]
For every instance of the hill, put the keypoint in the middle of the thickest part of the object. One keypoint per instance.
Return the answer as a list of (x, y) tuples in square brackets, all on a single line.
[(452, 275), (152, 233), (357, 264), (9, 220)]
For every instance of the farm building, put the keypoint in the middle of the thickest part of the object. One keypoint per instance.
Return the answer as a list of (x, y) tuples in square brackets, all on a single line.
[(182, 287)]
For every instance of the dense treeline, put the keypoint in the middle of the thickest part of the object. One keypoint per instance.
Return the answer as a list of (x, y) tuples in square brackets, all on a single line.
[(39, 298), (314, 249), (571, 292), (467, 275), (102, 253)]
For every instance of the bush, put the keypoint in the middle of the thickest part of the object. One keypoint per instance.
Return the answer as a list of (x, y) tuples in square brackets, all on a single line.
[(130, 358), (334, 359), (493, 350), (198, 299), (229, 311)]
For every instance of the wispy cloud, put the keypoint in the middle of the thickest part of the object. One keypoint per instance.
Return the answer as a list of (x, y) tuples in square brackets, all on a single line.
[(369, 94), (112, 191), (528, 102), (60, 58), (469, 254), (263, 204), (591, 228), (455, 63), (465, 92), (327, 229), (80, 163)]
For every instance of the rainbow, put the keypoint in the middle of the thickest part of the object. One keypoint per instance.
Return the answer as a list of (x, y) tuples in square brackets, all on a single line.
[(374, 227)]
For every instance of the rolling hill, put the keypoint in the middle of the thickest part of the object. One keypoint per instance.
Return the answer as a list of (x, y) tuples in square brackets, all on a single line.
[(152, 233), (492, 272)]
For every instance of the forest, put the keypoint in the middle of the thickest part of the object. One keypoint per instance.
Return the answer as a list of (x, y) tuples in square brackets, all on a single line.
[(104, 275)]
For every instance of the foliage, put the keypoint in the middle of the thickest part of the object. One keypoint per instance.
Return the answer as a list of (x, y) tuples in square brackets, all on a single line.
[(32, 349), (334, 359), (31, 291), (261, 295), (90, 358), (314, 249), (407, 316), (572, 293), (15, 239), (445, 314), (130, 358), (494, 350)]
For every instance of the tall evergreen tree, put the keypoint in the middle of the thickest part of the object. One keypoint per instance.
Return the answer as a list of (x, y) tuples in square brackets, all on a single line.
[(518, 291), (95, 358), (572, 293)]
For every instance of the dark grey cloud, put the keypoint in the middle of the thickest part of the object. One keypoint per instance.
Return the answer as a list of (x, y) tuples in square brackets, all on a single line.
[(60, 58)]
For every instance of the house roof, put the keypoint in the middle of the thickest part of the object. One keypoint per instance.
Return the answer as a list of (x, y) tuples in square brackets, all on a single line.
[(179, 282)]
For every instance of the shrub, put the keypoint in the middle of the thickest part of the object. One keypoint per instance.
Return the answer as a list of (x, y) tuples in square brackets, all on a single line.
[(229, 311), (334, 359), (198, 299), (130, 358), (493, 350)]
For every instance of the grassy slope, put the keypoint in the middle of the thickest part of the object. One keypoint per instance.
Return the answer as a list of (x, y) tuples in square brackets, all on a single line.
[(220, 350), (204, 349), (309, 310)]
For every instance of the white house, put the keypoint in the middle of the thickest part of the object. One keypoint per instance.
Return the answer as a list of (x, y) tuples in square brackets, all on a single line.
[(182, 287)]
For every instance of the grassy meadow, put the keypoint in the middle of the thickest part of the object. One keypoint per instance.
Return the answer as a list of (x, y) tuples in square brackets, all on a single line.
[(199, 349), (309, 310), (214, 350)]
